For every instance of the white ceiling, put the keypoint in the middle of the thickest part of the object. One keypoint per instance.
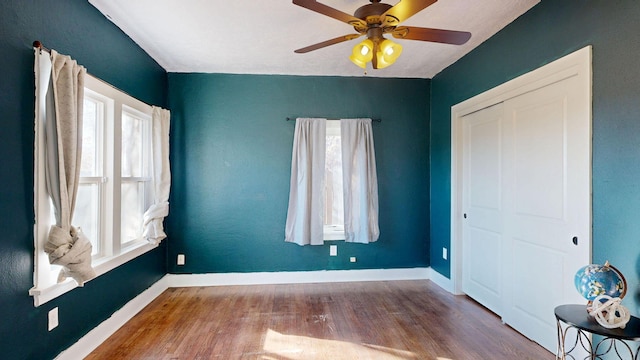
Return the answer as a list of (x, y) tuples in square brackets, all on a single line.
[(259, 36)]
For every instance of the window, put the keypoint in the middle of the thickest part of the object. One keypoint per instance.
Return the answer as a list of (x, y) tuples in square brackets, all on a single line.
[(96, 206), (333, 189), (114, 189), (92, 188), (322, 206), (135, 175)]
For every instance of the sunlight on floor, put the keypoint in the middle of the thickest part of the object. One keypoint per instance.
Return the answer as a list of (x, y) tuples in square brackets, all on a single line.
[(295, 347)]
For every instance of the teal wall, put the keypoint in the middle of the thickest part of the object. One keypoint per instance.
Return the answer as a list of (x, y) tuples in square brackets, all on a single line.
[(71, 27), (547, 32), (231, 162), (231, 157)]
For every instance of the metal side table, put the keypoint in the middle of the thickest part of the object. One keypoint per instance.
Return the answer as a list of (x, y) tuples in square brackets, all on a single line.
[(614, 341)]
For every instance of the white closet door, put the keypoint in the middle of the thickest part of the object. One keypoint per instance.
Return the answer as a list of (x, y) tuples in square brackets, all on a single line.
[(521, 194), (482, 201), (526, 197), (547, 212)]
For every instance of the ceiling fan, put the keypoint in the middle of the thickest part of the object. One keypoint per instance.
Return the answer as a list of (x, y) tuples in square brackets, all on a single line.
[(376, 19)]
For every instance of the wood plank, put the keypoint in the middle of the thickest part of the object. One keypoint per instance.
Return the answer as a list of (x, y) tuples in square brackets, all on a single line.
[(391, 320)]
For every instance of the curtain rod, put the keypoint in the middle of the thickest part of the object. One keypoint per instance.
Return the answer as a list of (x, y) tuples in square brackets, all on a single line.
[(376, 120), (38, 45)]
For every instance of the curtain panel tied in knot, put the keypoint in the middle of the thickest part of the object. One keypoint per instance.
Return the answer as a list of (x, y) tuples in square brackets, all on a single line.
[(71, 249)]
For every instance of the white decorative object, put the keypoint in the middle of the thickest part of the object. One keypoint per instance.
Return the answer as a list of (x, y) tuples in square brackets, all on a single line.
[(609, 312)]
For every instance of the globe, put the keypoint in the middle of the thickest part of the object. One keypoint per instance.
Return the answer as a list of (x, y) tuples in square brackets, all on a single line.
[(594, 280)]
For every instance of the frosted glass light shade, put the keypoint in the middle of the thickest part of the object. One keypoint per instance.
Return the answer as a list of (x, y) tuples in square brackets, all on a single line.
[(362, 53), (388, 53)]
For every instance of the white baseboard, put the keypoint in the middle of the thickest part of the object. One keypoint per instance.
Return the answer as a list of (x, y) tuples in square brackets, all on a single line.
[(441, 280), (100, 333), (296, 277)]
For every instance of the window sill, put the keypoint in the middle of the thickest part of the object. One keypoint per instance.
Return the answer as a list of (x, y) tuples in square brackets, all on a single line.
[(42, 295), (333, 232)]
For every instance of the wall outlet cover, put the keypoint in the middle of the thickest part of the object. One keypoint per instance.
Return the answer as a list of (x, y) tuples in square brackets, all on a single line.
[(53, 318)]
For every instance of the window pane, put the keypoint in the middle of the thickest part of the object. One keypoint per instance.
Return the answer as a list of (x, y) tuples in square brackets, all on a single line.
[(91, 116), (87, 213), (334, 207), (132, 145), (132, 210)]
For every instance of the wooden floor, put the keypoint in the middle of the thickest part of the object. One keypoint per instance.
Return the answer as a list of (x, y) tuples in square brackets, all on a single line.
[(391, 320)]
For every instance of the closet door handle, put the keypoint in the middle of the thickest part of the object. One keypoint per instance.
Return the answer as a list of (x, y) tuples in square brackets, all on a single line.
[(575, 240)]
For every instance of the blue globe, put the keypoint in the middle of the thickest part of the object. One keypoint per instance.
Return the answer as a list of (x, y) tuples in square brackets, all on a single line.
[(594, 280)]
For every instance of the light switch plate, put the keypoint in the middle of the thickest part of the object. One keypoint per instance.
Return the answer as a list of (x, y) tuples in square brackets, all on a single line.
[(53, 318)]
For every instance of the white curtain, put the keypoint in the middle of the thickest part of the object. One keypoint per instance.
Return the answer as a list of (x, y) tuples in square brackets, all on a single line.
[(304, 224), (360, 181), (62, 116), (154, 216)]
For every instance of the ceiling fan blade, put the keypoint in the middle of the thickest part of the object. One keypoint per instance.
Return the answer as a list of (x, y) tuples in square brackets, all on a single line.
[(323, 9), (434, 35), (326, 43), (404, 10)]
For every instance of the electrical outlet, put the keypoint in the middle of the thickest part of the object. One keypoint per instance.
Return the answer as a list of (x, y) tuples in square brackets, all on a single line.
[(53, 318), (352, 259), (180, 260), (333, 250), (444, 253)]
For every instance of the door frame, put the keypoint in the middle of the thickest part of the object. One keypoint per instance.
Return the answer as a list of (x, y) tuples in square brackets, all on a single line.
[(576, 64)]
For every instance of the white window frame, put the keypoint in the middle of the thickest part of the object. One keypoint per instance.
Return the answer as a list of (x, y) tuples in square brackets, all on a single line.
[(114, 254), (332, 231), (145, 179), (105, 112)]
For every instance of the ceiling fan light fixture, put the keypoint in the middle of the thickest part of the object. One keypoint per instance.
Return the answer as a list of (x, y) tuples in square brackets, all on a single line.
[(376, 19), (362, 53)]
